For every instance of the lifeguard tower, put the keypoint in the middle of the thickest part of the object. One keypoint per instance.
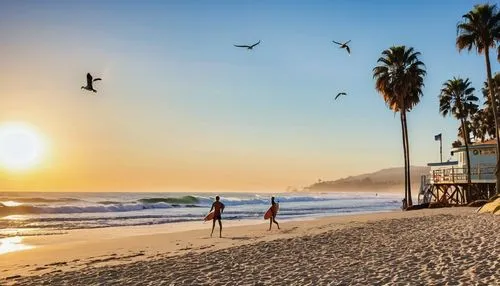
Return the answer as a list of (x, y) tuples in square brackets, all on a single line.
[(447, 182)]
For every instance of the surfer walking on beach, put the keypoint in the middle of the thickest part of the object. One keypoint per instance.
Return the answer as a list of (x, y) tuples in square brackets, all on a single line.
[(274, 211), (218, 209)]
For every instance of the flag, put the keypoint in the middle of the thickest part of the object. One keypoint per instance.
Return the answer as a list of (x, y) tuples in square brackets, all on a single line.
[(437, 137)]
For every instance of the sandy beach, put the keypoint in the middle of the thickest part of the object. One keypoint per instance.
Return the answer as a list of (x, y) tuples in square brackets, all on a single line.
[(452, 246)]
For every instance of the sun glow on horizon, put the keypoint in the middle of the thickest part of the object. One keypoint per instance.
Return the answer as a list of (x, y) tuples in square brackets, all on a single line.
[(21, 146)]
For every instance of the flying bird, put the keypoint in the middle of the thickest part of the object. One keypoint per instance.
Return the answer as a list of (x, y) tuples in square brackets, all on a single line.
[(339, 94), (344, 46), (89, 83), (247, 46)]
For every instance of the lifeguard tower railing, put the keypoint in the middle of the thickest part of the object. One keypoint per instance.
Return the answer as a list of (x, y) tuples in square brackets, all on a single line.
[(458, 175), (449, 185)]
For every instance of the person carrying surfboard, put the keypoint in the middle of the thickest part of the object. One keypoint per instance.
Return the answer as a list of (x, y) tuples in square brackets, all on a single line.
[(274, 211), (218, 209)]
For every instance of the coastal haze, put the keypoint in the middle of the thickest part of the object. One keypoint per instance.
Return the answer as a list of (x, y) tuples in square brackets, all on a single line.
[(385, 180)]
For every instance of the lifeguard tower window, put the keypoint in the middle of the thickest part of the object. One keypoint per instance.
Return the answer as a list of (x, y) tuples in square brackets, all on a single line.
[(490, 152)]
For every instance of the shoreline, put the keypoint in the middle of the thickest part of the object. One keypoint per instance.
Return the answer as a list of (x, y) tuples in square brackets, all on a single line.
[(86, 235), (95, 248), (63, 213), (53, 252), (178, 226)]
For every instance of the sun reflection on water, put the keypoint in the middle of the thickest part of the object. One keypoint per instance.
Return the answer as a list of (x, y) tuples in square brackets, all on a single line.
[(11, 244), (10, 203), (14, 217)]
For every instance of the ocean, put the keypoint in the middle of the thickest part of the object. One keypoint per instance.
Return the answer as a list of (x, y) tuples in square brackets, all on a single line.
[(46, 213)]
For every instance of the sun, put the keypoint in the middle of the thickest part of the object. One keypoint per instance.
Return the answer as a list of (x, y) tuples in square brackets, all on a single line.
[(21, 146)]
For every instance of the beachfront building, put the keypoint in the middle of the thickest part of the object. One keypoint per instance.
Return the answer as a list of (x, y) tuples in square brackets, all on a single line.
[(447, 182)]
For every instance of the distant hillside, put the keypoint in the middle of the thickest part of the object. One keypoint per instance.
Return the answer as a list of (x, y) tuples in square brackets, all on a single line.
[(385, 179)]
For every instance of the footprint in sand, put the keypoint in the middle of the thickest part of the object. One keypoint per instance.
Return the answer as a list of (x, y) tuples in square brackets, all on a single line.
[(205, 247), (57, 263), (13, 277)]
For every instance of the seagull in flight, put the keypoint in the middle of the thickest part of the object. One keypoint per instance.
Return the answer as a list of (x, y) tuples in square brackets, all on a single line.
[(247, 46), (339, 94), (344, 46), (89, 83)]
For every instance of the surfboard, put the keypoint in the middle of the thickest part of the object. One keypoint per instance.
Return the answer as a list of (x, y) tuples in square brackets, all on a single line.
[(210, 216), (269, 212)]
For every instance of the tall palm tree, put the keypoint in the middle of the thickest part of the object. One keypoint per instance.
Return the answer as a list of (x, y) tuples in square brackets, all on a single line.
[(480, 29), (457, 99), (400, 79)]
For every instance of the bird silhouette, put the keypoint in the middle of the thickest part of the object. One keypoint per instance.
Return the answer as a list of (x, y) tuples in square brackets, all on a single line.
[(247, 46), (344, 46), (89, 83), (339, 94)]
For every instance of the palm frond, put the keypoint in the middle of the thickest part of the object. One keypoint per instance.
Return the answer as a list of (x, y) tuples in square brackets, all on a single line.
[(457, 98), (479, 29), (399, 77)]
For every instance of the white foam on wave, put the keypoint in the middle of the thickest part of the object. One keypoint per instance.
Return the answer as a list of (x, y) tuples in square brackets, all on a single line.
[(69, 209)]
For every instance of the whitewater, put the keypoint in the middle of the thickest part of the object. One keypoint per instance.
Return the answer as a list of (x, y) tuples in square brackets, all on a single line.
[(42, 213)]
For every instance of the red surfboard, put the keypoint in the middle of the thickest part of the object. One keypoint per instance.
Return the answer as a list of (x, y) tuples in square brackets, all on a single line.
[(210, 216), (269, 212)]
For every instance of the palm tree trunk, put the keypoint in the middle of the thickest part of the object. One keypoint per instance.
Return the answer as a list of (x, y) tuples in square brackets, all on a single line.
[(491, 89), (408, 183), (465, 135), (404, 154)]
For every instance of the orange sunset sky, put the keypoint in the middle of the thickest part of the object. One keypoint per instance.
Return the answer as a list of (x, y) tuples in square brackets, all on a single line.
[(180, 108)]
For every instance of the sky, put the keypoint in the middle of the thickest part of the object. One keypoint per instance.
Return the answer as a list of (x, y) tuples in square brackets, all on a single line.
[(180, 108)]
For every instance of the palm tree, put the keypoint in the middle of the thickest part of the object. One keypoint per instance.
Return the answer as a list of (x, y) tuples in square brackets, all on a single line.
[(400, 79), (456, 144), (466, 128), (480, 29), (483, 121), (457, 99), (479, 125), (488, 106)]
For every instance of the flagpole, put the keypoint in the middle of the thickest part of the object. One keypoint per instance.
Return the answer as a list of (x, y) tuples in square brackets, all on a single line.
[(441, 147)]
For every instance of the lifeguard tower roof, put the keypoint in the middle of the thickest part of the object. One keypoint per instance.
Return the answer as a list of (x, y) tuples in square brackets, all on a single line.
[(486, 144), (448, 163)]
